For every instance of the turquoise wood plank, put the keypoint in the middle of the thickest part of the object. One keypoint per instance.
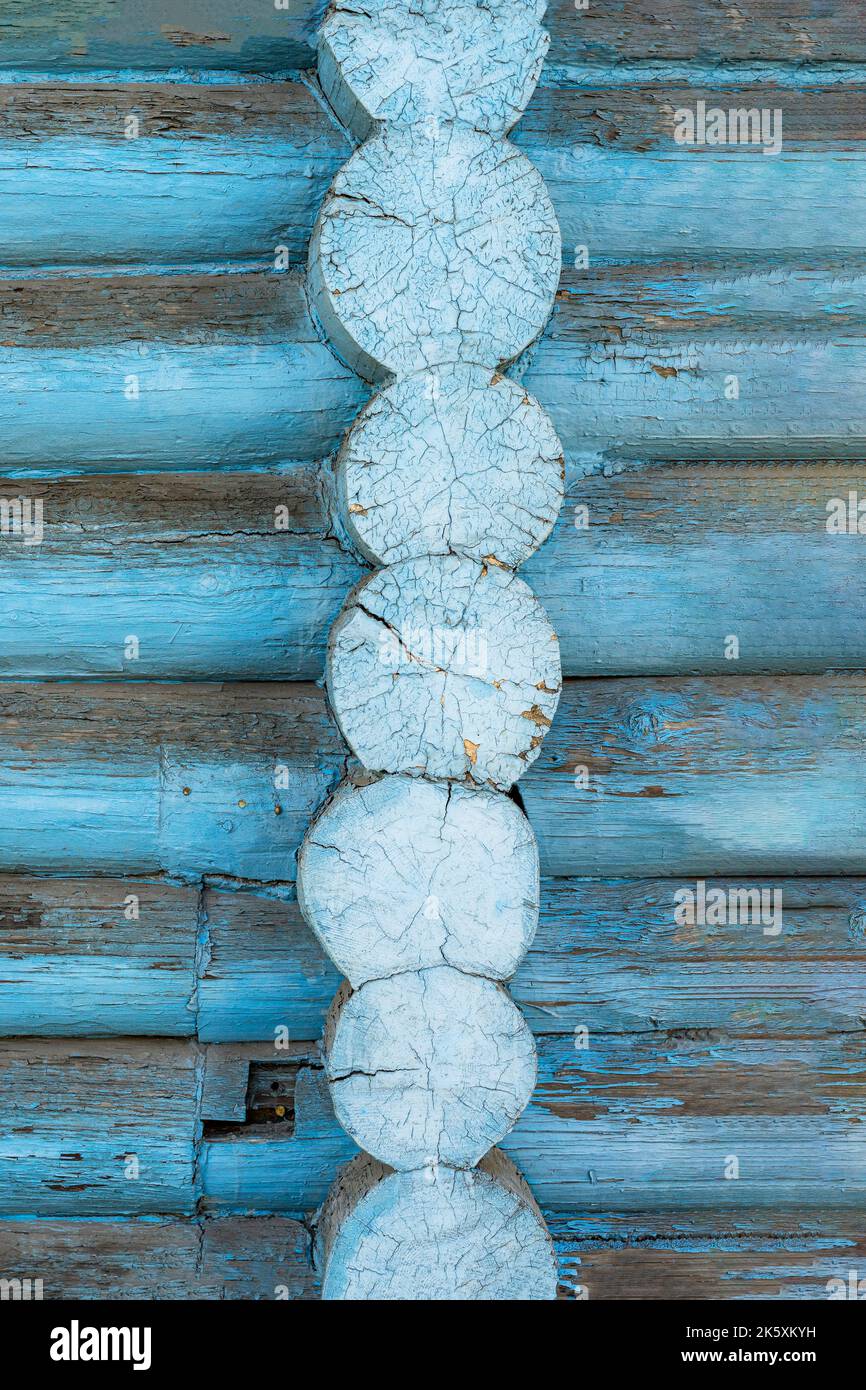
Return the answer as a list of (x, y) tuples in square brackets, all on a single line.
[(217, 175), (651, 1117), (758, 776), (660, 364), (240, 577), (608, 956), (219, 34), (161, 173), (89, 1129), (618, 1256), (653, 1120), (160, 1258), (98, 957), (160, 34), (694, 776)]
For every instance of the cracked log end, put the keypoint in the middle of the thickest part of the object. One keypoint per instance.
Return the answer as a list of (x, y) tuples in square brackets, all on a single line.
[(406, 874), (409, 61), (434, 1235), (445, 667), (434, 248), (453, 460), (427, 1067)]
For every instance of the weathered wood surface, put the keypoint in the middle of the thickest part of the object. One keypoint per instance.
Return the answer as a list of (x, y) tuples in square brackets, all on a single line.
[(226, 174), (218, 34), (144, 371), (241, 576), (162, 174), (778, 1255), (161, 1258), (92, 1127), (641, 1124), (434, 1234), (648, 1122), (699, 776), (607, 956), (617, 1256), (157, 35)]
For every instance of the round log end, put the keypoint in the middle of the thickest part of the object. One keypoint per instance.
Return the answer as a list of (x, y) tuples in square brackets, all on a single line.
[(404, 62), (405, 874), (434, 247), (456, 460), (444, 667), (429, 1067), (433, 1235)]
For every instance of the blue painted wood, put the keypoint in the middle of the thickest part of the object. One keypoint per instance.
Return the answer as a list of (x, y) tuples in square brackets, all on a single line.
[(701, 776), (160, 34), (219, 34), (241, 577), (653, 1114), (618, 1256), (75, 961), (651, 1118), (233, 373)]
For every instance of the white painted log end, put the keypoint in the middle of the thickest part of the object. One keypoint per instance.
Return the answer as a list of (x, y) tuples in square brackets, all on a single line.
[(429, 1067), (433, 248), (405, 874), (433, 1235), (410, 61), (455, 460), (444, 667)]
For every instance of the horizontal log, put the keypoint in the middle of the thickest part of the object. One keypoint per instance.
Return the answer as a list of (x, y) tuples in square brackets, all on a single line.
[(617, 1256), (241, 577), (637, 1123), (156, 35), (257, 1258), (660, 1121), (185, 779), (168, 174), (92, 1128), (217, 35), (750, 775), (161, 174), (700, 776), (638, 363), (608, 957), (609, 111), (677, 31), (673, 1256), (233, 373)]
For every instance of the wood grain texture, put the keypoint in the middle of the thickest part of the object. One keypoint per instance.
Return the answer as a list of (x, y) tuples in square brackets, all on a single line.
[(161, 1258), (643, 1123), (640, 1124), (240, 577), (164, 174), (693, 776), (217, 174), (616, 1256), (634, 365), (608, 957), (159, 35), (671, 30), (214, 35)]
